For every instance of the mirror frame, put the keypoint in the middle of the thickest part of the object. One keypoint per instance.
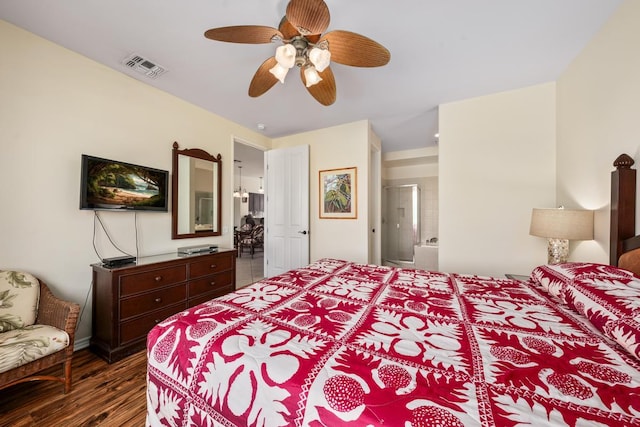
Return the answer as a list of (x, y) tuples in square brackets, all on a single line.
[(198, 154)]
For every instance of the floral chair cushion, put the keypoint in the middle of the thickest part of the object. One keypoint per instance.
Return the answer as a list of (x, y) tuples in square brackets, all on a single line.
[(25, 345), (19, 295)]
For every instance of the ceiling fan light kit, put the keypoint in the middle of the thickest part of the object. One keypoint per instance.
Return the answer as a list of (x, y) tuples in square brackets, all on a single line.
[(305, 47), (320, 58), (311, 76), (286, 56), (279, 72)]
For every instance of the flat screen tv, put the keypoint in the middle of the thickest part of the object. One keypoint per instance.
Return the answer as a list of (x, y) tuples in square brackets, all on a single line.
[(114, 185)]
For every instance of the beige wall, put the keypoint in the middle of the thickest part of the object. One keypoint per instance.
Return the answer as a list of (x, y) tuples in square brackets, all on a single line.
[(56, 105), (598, 110), (497, 162), (420, 162), (335, 148)]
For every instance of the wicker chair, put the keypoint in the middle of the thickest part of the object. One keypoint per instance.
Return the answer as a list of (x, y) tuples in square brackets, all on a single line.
[(253, 241), (60, 314)]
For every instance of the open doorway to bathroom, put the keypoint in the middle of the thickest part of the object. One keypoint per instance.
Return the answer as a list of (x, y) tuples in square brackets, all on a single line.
[(418, 168), (400, 224), (248, 212)]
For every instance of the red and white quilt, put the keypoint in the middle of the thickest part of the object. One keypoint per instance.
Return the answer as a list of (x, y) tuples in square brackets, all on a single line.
[(345, 344)]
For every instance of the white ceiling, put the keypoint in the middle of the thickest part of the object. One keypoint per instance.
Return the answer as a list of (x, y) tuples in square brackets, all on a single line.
[(441, 51)]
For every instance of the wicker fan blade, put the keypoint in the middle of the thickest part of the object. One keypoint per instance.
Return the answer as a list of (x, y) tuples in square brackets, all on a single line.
[(288, 31), (325, 91), (356, 50), (252, 34), (308, 16), (263, 80)]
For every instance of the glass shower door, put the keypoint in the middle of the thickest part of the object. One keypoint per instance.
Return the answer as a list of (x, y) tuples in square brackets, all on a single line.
[(401, 222)]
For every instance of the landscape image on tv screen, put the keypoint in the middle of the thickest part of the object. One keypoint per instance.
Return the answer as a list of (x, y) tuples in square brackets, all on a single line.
[(108, 184)]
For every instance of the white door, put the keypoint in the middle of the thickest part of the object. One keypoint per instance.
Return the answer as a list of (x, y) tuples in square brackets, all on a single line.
[(286, 209)]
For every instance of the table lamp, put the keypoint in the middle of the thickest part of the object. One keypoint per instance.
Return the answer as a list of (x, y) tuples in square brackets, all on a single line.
[(559, 226)]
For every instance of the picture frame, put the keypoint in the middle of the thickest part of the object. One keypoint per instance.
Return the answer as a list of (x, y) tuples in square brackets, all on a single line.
[(338, 193)]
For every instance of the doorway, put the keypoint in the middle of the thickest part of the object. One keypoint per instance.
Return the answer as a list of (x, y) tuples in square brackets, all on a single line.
[(248, 211), (401, 224)]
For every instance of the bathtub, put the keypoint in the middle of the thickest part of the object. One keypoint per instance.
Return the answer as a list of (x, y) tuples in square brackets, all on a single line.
[(426, 256)]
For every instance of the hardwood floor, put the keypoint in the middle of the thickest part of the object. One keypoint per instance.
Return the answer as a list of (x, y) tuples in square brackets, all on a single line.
[(102, 395)]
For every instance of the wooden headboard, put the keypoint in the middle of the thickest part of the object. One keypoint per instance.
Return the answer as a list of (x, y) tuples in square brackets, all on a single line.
[(623, 209)]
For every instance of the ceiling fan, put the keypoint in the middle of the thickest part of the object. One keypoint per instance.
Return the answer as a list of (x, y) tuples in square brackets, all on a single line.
[(304, 46)]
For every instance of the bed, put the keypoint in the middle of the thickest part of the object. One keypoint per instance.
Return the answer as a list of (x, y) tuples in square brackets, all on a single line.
[(341, 343)]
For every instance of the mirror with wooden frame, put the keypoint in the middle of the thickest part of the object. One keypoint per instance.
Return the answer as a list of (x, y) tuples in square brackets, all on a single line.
[(196, 194)]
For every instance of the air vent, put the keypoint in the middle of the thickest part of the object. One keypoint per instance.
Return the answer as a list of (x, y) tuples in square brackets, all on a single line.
[(144, 66)]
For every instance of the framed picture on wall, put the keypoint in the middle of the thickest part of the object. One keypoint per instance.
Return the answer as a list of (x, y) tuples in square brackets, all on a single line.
[(338, 193)]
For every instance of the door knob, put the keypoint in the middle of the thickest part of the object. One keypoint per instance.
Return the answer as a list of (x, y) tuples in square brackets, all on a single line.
[(303, 232)]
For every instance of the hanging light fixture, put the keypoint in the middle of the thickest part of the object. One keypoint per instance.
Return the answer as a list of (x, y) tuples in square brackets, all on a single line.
[(240, 190), (303, 39), (236, 193), (320, 58), (286, 59), (314, 58), (311, 76)]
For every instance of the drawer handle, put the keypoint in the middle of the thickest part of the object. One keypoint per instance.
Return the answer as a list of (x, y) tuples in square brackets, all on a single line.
[(213, 266), (158, 299), (212, 283), (158, 278)]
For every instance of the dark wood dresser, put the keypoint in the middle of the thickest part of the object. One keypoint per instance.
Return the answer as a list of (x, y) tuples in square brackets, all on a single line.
[(129, 300)]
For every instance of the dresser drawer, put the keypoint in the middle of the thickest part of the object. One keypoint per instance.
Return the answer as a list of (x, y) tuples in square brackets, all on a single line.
[(135, 283), (212, 264), (210, 283), (139, 328), (154, 300)]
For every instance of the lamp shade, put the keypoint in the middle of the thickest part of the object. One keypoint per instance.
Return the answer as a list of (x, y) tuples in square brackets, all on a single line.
[(570, 224)]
